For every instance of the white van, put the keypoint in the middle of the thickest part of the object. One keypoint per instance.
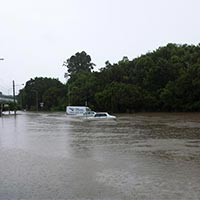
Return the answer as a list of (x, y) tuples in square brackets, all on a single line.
[(77, 110)]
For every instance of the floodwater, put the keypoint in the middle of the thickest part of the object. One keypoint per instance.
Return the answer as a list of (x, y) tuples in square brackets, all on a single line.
[(139, 156)]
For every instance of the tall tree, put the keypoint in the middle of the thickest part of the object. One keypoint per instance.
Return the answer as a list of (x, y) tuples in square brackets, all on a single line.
[(80, 62)]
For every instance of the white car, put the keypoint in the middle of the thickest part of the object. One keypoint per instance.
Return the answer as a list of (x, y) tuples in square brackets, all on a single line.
[(87, 114), (101, 115)]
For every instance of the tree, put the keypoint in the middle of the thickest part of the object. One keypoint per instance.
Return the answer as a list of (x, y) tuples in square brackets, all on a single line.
[(120, 97), (82, 88), (80, 62), (54, 98), (167, 79), (38, 90)]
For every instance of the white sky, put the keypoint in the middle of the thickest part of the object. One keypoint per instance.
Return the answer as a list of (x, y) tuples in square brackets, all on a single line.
[(36, 36)]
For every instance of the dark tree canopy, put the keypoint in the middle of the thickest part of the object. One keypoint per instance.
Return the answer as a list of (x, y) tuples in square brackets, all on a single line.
[(50, 92), (80, 62), (167, 79)]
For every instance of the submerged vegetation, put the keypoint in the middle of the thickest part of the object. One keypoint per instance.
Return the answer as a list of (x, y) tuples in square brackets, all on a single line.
[(167, 79)]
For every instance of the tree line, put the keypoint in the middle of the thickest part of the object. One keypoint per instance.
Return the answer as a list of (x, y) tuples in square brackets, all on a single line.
[(167, 79)]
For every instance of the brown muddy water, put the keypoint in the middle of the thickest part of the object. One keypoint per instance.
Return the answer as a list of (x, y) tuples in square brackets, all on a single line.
[(140, 156)]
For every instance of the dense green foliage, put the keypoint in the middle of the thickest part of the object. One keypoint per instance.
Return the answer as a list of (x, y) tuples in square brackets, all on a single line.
[(80, 62), (49, 92), (167, 79)]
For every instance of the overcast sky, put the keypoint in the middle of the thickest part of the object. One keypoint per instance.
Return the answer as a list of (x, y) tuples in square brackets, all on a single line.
[(36, 36)]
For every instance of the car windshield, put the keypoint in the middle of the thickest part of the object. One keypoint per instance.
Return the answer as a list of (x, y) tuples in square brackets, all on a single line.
[(100, 115)]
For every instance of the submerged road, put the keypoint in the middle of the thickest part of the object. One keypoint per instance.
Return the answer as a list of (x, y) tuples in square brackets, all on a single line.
[(140, 156)]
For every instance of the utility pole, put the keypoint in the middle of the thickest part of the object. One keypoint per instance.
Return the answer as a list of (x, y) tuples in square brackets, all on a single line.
[(67, 76), (1, 109), (1, 105), (14, 97), (36, 99)]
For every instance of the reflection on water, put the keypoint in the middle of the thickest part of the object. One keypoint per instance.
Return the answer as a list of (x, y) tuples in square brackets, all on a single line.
[(139, 156)]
